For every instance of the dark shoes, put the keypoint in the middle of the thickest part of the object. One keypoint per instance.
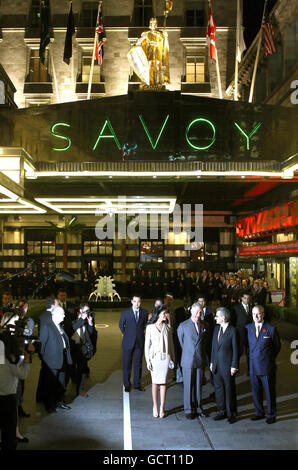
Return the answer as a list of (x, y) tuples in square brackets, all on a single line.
[(127, 389), (189, 416), (257, 417), (218, 417), (140, 389), (62, 406), (270, 420), (232, 419), (22, 413), (51, 410), (23, 440)]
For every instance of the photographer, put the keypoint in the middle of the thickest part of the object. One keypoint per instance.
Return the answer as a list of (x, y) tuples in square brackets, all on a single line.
[(28, 324), (5, 307), (10, 374), (83, 344)]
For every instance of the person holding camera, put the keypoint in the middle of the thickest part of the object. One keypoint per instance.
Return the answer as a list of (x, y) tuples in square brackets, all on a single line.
[(159, 354), (10, 374), (83, 339)]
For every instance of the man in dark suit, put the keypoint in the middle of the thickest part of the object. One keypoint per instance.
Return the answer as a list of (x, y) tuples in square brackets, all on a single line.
[(242, 315), (55, 354), (68, 307), (194, 340), (208, 317), (264, 345), (224, 365), (132, 325)]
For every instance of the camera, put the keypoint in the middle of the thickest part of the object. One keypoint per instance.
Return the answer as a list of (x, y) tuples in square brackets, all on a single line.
[(17, 336)]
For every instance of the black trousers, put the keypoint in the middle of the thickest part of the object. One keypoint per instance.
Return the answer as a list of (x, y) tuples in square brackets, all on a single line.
[(134, 356), (52, 387), (225, 392), (8, 421)]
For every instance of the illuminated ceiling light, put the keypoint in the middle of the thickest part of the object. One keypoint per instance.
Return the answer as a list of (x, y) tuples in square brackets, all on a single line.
[(104, 205), (10, 167), (8, 193), (140, 174), (289, 172), (16, 204)]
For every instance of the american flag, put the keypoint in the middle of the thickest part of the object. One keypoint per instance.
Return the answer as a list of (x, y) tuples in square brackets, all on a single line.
[(211, 28), (99, 36), (269, 37)]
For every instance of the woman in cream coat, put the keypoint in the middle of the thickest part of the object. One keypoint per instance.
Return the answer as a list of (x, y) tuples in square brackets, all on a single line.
[(159, 353)]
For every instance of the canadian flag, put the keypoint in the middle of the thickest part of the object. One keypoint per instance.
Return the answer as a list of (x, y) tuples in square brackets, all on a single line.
[(211, 28)]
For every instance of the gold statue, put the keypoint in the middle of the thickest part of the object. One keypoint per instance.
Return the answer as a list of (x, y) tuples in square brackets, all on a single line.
[(149, 57)]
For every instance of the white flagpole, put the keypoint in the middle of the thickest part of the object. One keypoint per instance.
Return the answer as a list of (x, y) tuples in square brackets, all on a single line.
[(93, 58), (218, 75), (217, 66), (54, 75), (236, 50), (257, 58)]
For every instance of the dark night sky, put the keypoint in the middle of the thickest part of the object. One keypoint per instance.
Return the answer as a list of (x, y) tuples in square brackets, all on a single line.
[(252, 17)]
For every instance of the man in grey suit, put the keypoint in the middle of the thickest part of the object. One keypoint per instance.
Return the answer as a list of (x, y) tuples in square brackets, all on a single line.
[(194, 338)]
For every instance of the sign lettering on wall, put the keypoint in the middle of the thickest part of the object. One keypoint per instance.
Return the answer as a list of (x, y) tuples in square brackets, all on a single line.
[(209, 133)]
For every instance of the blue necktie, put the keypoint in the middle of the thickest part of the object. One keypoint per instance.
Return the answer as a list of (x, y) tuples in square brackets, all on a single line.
[(136, 315)]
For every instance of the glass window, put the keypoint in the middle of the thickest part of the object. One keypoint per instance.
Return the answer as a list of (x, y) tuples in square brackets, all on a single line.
[(143, 11), (195, 68), (195, 17), (89, 14), (199, 254), (211, 251), (151, 251), (86, 66), (43, 247), (95, 247), (38, 73)]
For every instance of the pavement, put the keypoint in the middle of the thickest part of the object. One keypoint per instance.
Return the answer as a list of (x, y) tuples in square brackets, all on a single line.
[(111, 419)]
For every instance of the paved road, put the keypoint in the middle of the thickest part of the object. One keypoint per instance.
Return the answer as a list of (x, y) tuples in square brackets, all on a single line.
[(110, 419)]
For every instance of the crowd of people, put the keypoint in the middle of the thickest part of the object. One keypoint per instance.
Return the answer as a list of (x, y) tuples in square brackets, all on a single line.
[(67, 341), (222, 317), (195, 339), (223, 287)]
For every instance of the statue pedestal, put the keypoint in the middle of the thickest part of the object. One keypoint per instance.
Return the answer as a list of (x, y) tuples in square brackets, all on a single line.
[(153, 88)]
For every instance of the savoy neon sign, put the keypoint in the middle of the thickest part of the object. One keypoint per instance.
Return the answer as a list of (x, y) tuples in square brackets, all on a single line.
[(107, 133)]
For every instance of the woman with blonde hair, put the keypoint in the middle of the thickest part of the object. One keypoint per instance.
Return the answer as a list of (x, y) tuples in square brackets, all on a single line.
[(159, 354)]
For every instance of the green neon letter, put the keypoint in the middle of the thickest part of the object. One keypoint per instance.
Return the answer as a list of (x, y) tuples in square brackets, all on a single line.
[(249, 135), (109, 136), (188, 129), (63, 137), (153, 145)]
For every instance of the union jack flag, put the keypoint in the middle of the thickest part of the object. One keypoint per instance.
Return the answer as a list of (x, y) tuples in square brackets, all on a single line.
[(268, 31), (99, 36)]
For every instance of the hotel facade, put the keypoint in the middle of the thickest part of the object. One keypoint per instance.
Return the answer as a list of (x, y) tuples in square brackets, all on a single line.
[(128, 151)]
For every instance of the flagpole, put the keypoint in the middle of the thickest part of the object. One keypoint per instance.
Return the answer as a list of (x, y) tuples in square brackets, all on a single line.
[(93, 58), (257, 58), (218, 75), (236, 50), (54, 75), (216, 64)]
